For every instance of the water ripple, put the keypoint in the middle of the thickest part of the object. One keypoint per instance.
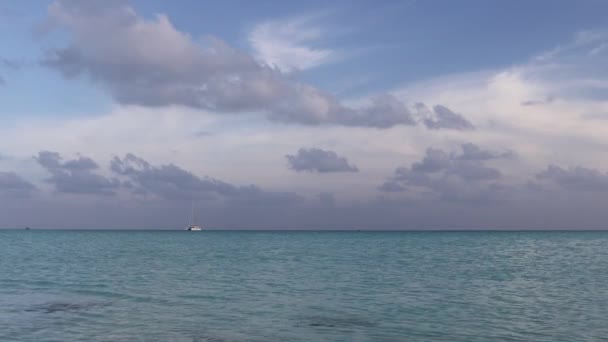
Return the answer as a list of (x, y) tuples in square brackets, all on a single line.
[(282, 286)]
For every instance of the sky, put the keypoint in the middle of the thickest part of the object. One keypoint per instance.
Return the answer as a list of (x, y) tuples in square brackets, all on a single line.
[(304, 115)]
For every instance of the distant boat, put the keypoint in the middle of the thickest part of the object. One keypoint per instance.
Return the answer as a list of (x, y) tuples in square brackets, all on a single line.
[(27, 228), (193, 226)]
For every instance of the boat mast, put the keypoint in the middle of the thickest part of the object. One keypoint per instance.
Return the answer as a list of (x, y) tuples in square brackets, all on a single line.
[(193, 221), (191, 215)]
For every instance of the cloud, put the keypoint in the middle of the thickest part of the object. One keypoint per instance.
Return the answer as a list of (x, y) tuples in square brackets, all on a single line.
[(598, 49), (10, 64), (167, 181), (174, 183), (473, 152), (575, 70), (575, 178), (392, 186), (151, 63), (456, 176), (202, 134), (548, 99), (76, 176), (318, 160), (12, 185), (289, 44), (443, 118), (385, 111), (440, 191)]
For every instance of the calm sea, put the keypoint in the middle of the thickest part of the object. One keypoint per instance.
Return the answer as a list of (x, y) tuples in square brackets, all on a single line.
[(303, 286)]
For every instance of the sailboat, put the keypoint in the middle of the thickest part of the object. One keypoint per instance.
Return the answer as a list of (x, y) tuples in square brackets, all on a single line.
[(192, 226)]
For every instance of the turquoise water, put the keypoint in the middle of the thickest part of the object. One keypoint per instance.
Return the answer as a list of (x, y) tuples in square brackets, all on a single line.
[(303, 286)]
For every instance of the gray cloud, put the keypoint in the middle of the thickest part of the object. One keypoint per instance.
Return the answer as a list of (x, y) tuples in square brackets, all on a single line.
[(174, 183), (473, 152), (457, 176), (548, 99), (442, 117), (11, 184), (457, 203), (384, 112), (76, 176), (434, 160), (318, 160), (575, 178), (167, 181), (202, 134), (10, 63), (151, 63), (392, 186)]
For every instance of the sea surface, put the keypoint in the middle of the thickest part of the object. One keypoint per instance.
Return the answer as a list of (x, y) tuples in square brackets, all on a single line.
[(303, 286)]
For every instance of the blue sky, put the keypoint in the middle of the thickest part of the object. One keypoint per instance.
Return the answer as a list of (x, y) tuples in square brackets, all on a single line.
[(344, 107)]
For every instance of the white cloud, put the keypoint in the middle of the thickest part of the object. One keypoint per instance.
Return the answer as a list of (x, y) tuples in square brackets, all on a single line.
[(238, 149), (290, 44), (151, 63), (249, 149), (552, 131), (557, 131)]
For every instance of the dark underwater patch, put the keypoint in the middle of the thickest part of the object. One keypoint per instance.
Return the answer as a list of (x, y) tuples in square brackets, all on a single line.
[(64, 307), (340, 322)]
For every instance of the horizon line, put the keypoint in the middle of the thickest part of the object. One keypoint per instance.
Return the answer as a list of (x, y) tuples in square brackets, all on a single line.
[(323, 230)]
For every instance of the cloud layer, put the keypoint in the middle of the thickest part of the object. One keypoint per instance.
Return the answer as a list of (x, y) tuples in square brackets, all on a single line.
[(318, 160), (186, 109), (575, 178), (445, 118), (463, 185), (151, 63), (76, 176), (455, 176), (12, 185), (174, 183)]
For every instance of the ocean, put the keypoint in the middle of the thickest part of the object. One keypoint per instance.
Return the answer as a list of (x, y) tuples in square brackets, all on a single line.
[(303, 286)]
